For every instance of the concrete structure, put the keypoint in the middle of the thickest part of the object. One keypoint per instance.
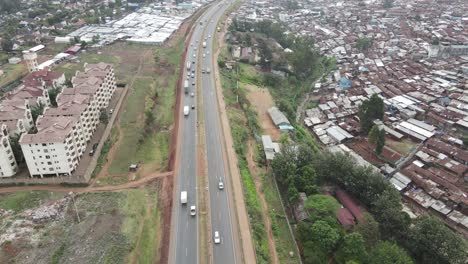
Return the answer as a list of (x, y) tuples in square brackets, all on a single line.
[(63, 132), (269, 147), (8, 166), (31, 60)]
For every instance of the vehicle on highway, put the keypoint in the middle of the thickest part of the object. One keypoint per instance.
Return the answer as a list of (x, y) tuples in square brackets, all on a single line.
[(220, 185), (208, 70), (193, 83), (189, 65), (183, 197), (186, 86), (193, 106), (193, 62), (209, 36), (207, 52), (203, 70), (193, 75), (204, 55), (193, 210), (217, 239), (111, 111), (186, 110), (204, 44), (192, 94), (194, 55)]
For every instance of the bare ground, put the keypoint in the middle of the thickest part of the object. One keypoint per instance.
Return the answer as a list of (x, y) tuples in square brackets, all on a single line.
[(261, 100)]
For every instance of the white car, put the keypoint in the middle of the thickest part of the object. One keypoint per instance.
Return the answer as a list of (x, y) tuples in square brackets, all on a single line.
[(217, 239), (220, 185), (204, 55), (194, 55), (192, 94), (207, 52), (193, 210)]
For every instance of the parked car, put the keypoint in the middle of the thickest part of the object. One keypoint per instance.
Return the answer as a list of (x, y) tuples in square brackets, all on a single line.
[(217, 239)]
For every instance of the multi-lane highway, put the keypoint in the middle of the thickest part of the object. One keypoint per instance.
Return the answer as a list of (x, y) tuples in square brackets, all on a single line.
[(185, 225), (220, 211)]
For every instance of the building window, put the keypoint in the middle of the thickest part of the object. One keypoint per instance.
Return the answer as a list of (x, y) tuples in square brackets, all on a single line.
[(44, 144), (47, 157), (46, 151)]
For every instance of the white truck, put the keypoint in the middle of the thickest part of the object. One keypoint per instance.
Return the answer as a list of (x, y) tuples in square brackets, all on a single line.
[(183, 197), (204, 44), (189, 65), (186, 110)]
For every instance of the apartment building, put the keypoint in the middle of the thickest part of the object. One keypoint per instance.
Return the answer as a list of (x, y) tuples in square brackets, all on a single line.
[(63, 131), (16, 115), (55, 149), (8, 166)]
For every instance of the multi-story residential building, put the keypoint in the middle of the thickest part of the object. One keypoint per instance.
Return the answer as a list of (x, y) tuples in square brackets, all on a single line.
[(16, 115), (45, 78), (34, 94), (8, 166), (55, 149), (63, 131)]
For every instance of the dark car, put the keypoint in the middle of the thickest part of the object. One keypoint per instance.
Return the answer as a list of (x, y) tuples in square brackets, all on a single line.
[(93, 149)]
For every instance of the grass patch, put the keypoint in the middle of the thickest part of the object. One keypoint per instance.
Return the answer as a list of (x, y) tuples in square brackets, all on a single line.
[(403, 146), (70, 68), (104, 151), (283, 240), (142, 224), (58, 254), (12, 72), (19, 201)]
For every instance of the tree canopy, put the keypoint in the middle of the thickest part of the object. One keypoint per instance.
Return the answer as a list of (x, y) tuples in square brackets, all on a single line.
[(389, 253), (369, 111)]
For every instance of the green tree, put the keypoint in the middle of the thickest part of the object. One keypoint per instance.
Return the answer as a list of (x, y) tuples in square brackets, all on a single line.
[(324, 236), (369, 111), (377, 138), (432, 242), (352, 248), (9, 6), (389, 253), (322, 205), (16, 147), (53, 92), (7, 45), (37, 110), (369, 229), (393, 222), (363, 44)]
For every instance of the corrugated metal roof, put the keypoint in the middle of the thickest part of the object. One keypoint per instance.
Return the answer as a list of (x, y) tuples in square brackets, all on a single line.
[(277, 116)]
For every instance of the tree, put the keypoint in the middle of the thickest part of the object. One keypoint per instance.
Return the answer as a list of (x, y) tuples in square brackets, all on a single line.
[(7, 45), (369, 229), (432, 242), (37, 110), (377, 138), (389, 253), (369, 111), (322, 205), (353, 248), (324, 236), (9, 6), (53, 92), (393, 223), (104, 117), (16, 147), (363, 44)]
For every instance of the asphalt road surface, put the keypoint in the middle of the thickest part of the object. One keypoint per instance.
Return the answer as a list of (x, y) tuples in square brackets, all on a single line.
[(186, 229), (221, 213)]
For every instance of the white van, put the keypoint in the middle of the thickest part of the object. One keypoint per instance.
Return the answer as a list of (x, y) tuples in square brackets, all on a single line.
[(183, 197)]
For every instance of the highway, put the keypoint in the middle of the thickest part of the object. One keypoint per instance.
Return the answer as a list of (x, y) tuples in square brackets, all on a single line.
[(220, 211), (186, 226)]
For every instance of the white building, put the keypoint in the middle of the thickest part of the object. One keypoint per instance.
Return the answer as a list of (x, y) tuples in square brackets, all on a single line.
[(55, 149), (8, 166), (60, 142)]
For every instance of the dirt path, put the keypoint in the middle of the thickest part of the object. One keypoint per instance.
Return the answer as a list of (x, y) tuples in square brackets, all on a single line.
[(57, 188), (258, 187)]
